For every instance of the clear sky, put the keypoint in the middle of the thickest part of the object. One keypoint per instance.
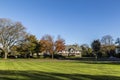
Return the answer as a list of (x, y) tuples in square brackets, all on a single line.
[(77, 21)]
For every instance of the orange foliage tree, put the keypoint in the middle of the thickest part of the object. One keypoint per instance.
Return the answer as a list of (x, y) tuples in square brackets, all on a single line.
[(59, 44), (47, 45)]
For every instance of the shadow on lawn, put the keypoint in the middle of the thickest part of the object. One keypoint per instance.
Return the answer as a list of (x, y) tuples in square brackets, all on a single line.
[(100, 62), (38, 75)]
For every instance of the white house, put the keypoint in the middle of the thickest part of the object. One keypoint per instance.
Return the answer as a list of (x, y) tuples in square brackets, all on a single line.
[(71, 51)]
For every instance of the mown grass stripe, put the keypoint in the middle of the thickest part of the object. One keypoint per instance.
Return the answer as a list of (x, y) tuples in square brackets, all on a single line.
[(57, 70), (44, 68)]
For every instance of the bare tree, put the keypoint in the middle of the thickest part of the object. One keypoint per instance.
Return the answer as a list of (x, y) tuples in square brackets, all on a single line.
[(107, 40), (11, 33)]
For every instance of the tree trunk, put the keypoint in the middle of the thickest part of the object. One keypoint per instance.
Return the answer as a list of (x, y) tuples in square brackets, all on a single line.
[(96, 57), (30, 54), (5, 55), (38, 56), (52, 55)]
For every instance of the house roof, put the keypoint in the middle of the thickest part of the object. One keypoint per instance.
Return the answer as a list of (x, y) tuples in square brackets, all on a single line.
[(77, 48)]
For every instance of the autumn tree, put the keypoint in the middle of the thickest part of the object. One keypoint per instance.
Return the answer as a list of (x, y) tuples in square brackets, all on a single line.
[(47, 45), (11, 33), (59, 44)]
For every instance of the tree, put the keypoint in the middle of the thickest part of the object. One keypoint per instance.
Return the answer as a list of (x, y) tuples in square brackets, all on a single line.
[(96, 46), (29, 45), (11, 33), (118, 41), (86, 50), (47, 45), (107, 50), (107, 46), (107, 40), (59, 44), (117, 47), (31, 42)]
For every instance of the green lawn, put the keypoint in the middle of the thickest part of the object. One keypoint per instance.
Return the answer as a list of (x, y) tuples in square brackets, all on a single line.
[(35, 69)]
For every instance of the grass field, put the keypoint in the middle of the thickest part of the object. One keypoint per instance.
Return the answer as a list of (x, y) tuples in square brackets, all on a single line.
[(34, 69)]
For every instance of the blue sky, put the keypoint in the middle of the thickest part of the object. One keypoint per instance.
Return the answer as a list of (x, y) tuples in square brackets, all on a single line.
[(77, 21)]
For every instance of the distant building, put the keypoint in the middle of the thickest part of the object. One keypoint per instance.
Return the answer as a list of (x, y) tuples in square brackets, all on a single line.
[(117, 50), (117, 46), (71, 50)]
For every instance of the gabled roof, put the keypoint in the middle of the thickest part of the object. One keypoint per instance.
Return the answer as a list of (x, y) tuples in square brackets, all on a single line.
[(77, 48)]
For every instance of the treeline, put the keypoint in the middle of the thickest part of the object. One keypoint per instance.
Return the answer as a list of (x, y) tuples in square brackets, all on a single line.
[(101, 48), (16, 42)]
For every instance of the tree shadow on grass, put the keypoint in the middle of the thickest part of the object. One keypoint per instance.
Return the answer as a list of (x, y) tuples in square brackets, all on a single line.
[(39, 75), (100, 62)]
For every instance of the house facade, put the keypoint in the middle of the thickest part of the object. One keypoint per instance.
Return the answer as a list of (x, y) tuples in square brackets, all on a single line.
[(71, 50)]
